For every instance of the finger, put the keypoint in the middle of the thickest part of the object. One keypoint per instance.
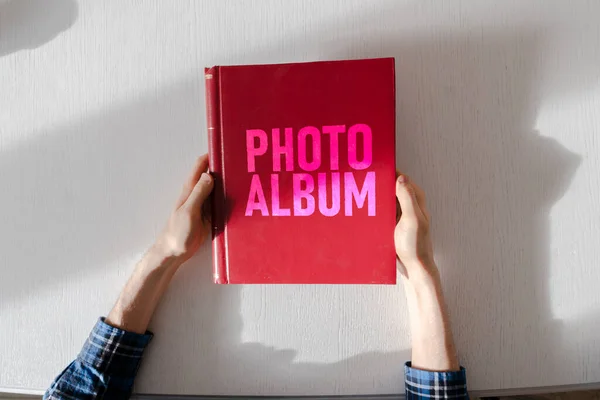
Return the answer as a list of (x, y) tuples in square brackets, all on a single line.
[(407, 197), (200, 166), (421, 200), (200, 192)]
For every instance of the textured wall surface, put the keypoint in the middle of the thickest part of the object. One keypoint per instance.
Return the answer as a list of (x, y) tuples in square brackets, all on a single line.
[(102, 115)]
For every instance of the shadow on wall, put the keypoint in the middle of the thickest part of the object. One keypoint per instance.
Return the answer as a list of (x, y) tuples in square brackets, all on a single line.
[(80, 197), (27, 24), (466, 109)]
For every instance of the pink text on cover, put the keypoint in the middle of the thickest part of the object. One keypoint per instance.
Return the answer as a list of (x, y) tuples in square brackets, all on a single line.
[(310, 195)]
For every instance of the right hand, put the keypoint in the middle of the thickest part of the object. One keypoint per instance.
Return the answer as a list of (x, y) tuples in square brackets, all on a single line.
[(433, 346), (411, 236)]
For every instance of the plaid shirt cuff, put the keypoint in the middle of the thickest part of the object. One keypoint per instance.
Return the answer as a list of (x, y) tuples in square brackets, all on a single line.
[(113, 351), (421, 384)]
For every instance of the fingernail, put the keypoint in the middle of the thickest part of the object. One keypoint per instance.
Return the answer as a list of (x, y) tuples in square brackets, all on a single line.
[(402, 179), (205, 177)]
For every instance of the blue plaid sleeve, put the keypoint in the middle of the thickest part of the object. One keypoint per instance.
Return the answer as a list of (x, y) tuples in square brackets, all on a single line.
[(105, 367), (429, 385)]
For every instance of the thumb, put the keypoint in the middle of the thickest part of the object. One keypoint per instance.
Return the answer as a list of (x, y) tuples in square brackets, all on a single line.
[(405, 193), (200, 192)]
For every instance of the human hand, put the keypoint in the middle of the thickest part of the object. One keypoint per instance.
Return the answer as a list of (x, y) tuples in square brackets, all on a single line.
[(411, 236), (433, 346), (187, 227)]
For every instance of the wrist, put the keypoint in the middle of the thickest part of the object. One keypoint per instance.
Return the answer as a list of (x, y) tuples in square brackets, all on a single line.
[(433, 345), (423, 288), (158, 257), (149, 280), (421, 275)]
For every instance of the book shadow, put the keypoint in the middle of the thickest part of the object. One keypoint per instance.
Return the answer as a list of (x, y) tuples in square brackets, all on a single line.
[(203, 333), (27, 24)]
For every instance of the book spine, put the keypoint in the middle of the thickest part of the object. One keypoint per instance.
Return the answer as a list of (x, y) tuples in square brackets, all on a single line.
[(213, 120)]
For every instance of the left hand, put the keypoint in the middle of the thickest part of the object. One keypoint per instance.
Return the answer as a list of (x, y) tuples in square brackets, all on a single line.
[(187, 228)]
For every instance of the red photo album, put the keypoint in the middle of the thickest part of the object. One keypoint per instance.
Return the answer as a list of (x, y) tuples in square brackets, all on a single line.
[(303, 157)]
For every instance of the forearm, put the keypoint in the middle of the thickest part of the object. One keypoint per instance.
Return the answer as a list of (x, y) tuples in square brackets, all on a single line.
[(433, 346), (140, 296)]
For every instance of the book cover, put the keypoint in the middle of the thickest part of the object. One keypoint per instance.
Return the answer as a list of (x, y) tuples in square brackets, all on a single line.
[(303, 157)]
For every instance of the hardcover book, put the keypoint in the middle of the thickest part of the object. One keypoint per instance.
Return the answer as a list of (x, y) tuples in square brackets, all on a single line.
[(303, 158)]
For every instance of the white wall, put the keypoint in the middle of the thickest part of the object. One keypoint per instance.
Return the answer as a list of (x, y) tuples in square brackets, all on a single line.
[(102, 115)]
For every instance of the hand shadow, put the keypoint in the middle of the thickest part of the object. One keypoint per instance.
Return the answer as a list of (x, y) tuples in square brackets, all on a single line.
[(27, 24)]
